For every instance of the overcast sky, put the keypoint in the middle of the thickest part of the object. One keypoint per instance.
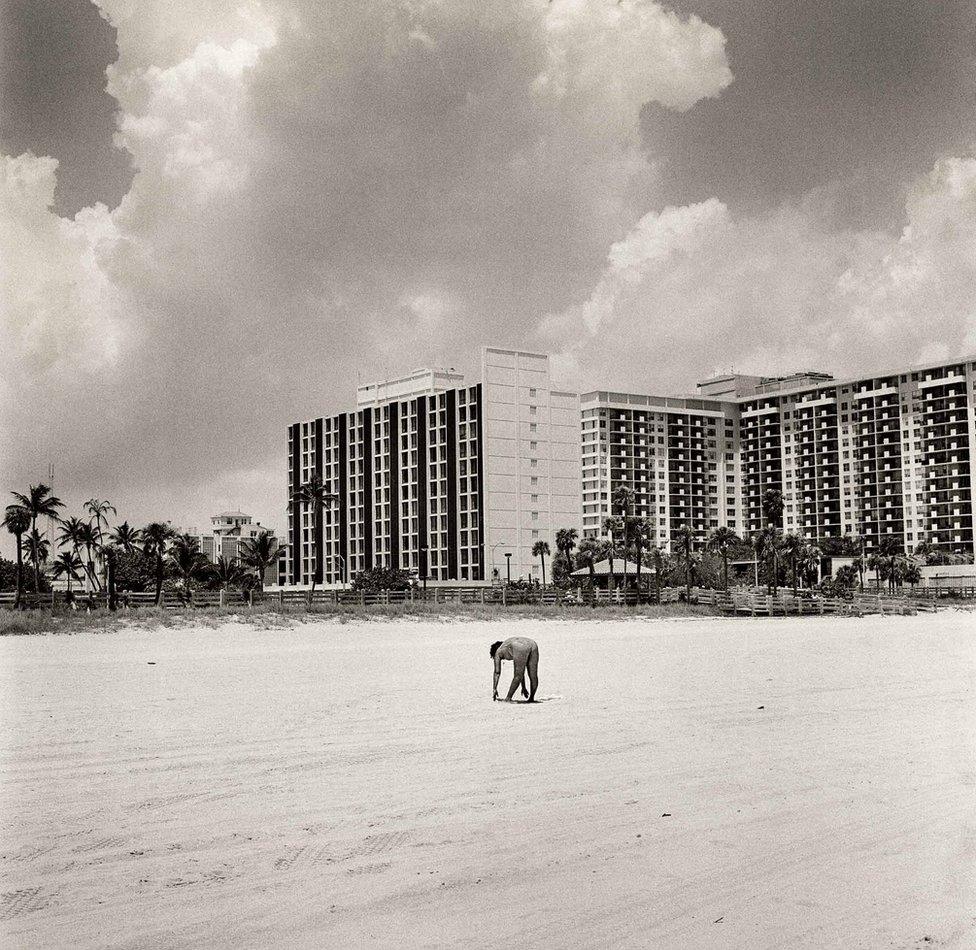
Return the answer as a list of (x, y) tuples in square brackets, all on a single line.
[(217, 215)]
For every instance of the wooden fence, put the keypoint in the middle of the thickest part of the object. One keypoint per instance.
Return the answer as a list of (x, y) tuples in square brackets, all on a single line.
[(739, 601)]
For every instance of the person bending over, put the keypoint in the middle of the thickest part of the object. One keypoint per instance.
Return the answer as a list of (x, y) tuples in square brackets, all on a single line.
[(524, 653)]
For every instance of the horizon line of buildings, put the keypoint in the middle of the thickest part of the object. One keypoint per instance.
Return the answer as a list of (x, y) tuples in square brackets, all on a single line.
[(455, 483)]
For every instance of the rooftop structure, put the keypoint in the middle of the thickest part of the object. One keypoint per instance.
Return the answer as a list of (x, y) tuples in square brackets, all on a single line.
[(418, 383), (738, 386)]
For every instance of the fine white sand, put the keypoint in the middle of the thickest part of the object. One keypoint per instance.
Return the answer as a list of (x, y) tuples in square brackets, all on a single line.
[(354, 786)]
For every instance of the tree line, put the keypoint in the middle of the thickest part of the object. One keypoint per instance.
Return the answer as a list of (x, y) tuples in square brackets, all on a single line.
[(109, 560), (780, 558)]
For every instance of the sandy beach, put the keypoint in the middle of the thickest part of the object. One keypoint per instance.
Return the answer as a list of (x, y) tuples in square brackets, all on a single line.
[(699, 783)]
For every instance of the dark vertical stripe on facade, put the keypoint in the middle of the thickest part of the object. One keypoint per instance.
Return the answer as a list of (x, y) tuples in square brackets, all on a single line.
[(422, 476), (295, 449), (368, 488), (343, 509), (394, 485), (452, 486), (482, 429), (319, 514)]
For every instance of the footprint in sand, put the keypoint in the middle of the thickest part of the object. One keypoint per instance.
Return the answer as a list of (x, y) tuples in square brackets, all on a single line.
[(306, 856), (370, 869), (25, 901)]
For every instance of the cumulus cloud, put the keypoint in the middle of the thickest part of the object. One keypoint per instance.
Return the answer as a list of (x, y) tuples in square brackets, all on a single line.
[(633, 52), (60, 314), (693, 290), (309, 180)]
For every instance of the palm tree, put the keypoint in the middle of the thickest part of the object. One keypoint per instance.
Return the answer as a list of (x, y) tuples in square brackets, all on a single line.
[(126, 537), (767, 543), (187, 561), (810, 558), (88, 536), (540, 549), (70, 533), (67, 564), (110, 552), (642, 532), (313, 495), (156, 538), (913, 575), (259, 553), (123, 540), (98, 511), (17, 520), (773, 545), (684, 540), (227, 573), (565, 542), (875, 562), (612, 527), (657, 559), (588, 555), (41, 504), (792, 546), (38, 548), (926, 551), (772, 507), (623, 502), (722, 540), (891, 549), (855, 545)]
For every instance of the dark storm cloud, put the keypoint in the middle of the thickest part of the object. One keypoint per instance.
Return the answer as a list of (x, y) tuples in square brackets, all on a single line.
[(851, 97), (53, 99)]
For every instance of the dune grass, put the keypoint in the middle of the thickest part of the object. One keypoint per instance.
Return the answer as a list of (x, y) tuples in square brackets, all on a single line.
[(266, 616)]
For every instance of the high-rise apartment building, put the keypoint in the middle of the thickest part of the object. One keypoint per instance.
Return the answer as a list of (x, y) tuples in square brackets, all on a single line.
[(884, 456), (453, 483), (678, 456), (456, 483)]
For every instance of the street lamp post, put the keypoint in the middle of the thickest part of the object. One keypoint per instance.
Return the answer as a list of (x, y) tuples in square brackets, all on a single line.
[(508, 566), (497, 544)]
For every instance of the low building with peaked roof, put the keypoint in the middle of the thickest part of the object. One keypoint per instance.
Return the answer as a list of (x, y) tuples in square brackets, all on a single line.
[(601, 571)]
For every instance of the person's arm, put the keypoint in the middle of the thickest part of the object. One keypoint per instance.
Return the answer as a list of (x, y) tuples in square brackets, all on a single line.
[(498, 672)]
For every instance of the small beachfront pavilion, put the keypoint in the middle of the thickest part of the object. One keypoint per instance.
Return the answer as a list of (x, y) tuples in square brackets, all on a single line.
[(601, 572)]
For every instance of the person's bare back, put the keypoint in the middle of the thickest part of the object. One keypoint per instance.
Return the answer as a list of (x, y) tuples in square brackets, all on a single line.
[(524, 653)]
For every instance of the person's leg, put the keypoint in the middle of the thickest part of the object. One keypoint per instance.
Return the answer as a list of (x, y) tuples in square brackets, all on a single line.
[(533, 665), (517, 678)]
